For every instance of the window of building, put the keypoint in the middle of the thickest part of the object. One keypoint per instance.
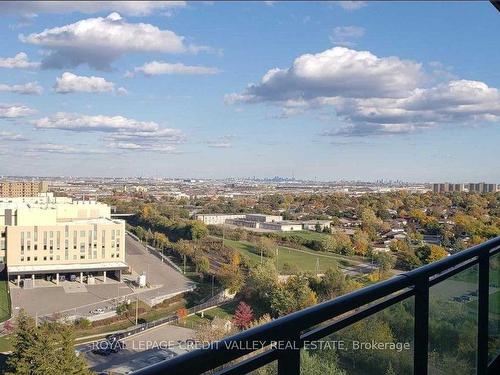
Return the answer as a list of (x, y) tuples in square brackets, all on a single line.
[(44, 258), (82, 256), (35, 258), (28, 259), (22, 259)]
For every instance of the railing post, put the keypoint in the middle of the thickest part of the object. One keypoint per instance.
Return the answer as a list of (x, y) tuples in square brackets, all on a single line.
[(421, 328), (482, 313), (289, 360)]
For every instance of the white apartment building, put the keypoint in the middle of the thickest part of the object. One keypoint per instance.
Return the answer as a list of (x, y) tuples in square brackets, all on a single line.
[(59, 237)]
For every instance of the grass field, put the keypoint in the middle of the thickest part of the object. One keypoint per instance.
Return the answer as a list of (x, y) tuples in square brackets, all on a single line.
[(303, 259), (4, 301)]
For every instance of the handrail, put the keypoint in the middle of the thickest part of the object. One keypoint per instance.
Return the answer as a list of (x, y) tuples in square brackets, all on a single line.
[(290, 327)]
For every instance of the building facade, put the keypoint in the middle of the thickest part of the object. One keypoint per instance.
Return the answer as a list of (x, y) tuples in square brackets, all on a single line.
[(22, 188), (57, 236)]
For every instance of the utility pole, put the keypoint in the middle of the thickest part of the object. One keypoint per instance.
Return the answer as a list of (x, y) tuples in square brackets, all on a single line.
[(136, 309), (184, 263), (212, 285)]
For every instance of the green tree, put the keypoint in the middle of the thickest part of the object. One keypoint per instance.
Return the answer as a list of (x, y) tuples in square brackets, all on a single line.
[(23, 341), (47, 349)]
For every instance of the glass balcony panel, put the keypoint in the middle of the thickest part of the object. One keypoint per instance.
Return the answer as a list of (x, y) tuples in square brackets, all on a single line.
[(269, 369), (380, 344), (494, 308), (453, 324)]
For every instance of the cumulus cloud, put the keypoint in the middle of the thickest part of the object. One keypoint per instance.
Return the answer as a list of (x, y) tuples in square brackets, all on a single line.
[(130, 8), (31, 88), (154, 68), (119, 130), (372, 95), (19, 61), (351, 5), (99, 41), (70, 83), (10, 136), (336, 71), (344, 35), (459, 101), (15, 110)]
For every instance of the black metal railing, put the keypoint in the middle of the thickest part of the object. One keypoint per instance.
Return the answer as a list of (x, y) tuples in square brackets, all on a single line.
[(316, 322)]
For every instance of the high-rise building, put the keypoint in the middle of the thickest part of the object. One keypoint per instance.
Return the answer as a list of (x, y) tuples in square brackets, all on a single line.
[(482, 188), (14, 189)]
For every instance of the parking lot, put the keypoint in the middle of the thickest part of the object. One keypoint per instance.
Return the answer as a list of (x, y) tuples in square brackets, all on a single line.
[(142, 350)]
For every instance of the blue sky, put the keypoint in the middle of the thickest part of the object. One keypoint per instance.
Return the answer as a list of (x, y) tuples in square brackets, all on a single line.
[(318, 90)]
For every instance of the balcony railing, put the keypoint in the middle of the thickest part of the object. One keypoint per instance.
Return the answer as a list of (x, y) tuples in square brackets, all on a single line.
[(313, 323)]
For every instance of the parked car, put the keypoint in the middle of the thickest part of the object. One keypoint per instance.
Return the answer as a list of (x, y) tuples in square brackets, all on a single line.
[(104, 351)]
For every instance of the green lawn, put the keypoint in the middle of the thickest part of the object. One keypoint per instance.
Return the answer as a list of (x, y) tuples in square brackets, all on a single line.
[(303, 259), (4, 301)]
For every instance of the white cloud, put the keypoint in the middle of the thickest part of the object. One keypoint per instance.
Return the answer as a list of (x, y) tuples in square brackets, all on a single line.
[(336, 71), (221, 142), (131, 8), (9, 136), (455, 102), (120, 131), (31, 88), (122, 91), (52, 148), (351, 5), (154, 68), (70, 83), (143, 147), (15, 110), (19, 61), (372, 95), (99, 41), (76, 122), (343, 35)]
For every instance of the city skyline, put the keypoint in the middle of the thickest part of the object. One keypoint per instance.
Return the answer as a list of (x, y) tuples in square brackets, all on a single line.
[(327, 91)]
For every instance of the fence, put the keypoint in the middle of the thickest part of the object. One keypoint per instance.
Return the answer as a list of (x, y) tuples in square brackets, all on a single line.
[(330, 317)]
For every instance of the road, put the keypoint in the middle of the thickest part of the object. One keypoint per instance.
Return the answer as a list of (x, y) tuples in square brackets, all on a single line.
[(167, 280), (152, 346)]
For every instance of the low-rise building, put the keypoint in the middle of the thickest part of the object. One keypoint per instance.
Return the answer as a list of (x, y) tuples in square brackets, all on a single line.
[(218, 219), (59, 237)]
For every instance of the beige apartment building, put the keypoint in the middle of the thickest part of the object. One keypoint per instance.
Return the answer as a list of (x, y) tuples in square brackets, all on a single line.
[(47, 236), (22, 188)]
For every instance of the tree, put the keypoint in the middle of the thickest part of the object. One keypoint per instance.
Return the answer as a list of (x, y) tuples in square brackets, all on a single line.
[(435, 253), (361, 242), (203, 265), (294, 295), (312, 364), (385, 262), (182, 314), (243, 315), (23, 341), (267, 247), (332, 284), (197, 230), (48, 349)]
